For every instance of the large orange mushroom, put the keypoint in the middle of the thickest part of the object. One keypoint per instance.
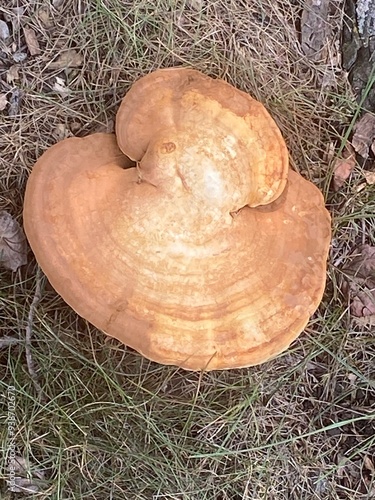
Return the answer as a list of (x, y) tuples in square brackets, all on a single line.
[(189, 239)]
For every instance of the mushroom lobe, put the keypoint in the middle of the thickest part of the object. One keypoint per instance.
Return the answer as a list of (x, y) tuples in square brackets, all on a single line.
[(209, 253)]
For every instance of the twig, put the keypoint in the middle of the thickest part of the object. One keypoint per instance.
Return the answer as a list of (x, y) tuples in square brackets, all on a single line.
[(8, 341), (29, 330)]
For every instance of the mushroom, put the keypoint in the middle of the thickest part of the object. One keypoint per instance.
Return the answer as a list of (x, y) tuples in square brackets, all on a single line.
[(188, 238)]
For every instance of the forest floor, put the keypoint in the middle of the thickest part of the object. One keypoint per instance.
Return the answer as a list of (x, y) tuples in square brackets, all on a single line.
[(94, 419)]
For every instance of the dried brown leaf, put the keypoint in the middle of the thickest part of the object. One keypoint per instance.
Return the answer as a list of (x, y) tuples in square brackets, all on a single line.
[(362, 263), (361, 284), (13, 249), (3, 101), (367, 462), (68, 59), (28, 479), (364, 134), (12, 74), (31, 41), (363, 305), (60, 87), (44, 16), (343, 167)]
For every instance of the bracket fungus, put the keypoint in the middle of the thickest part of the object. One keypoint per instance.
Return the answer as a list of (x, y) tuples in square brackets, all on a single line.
[(186, 236)]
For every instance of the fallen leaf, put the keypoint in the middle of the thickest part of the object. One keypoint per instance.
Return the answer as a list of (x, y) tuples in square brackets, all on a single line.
[(364, 134), (44, 16), (367, 462), (31, 41), (60, 87), (3, 101), (362, 263), (13, 249), (360, 284), (4, 30), (12, 74), (19, 56), (370, 178), (27, 479), (343, 167), (68, 59)]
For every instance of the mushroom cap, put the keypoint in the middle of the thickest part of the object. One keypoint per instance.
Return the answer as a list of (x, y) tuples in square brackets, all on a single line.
[(206, 132), (156, 257), (163, 275)]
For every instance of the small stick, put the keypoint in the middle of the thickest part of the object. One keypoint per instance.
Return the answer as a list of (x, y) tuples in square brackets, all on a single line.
[(29, 331), (7, 341)]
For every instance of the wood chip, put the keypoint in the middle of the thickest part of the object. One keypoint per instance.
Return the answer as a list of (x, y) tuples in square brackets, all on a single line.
[(31, 41), (364, 134), (68, 59)]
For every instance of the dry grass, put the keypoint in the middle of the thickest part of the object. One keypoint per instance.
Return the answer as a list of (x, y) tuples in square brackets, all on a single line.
[(113, 424)]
